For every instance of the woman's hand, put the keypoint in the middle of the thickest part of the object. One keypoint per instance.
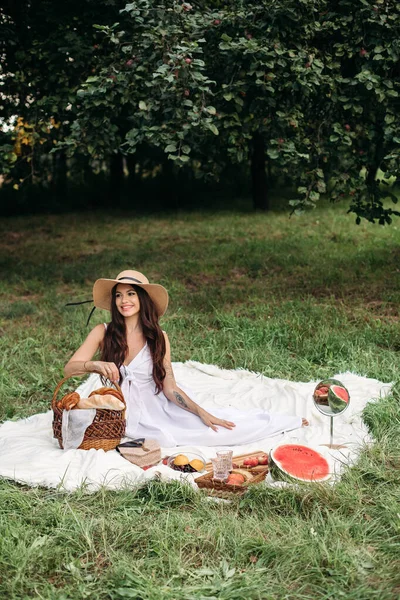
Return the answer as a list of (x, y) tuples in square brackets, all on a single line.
[(106, 369), (212, 422)]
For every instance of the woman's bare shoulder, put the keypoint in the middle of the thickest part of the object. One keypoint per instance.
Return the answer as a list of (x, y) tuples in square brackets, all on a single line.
[(98, 332)]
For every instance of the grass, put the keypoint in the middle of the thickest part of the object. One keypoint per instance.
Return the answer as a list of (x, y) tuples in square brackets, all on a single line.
[(300, 298)]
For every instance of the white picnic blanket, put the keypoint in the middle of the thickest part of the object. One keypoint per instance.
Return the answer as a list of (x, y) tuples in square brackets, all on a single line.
[(30, 455)]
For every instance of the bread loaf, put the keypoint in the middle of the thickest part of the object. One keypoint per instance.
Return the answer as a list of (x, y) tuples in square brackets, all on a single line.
[(101, 401), (69, 401), (108, 398), (108, 390)]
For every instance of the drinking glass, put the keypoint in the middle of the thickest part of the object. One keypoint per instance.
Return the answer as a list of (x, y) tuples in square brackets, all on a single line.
[(226, 456), (220, 470)]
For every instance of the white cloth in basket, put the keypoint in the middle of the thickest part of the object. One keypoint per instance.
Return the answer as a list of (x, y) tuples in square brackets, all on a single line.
[(74, 424)]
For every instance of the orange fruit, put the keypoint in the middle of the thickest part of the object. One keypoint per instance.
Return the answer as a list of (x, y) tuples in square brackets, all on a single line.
[(197, 464), (181, 460)]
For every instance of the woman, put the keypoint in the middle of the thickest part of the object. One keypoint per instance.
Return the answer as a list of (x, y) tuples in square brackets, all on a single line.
[(135, 352)]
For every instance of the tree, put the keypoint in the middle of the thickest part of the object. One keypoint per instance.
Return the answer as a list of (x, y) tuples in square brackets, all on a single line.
[(305, 89), (47, 50)]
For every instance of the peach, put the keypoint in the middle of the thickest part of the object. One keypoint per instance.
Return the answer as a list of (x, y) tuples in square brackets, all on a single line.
[(263, 459), (235, 479), (250, 462)]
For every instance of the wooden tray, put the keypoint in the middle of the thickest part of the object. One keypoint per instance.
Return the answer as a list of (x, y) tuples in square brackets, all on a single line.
[(239, 461), (221, 489)]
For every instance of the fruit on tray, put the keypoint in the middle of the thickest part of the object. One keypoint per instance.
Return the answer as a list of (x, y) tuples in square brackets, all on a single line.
[(251, 462), (181, 460), (263, 459), (181, 463), (290, 462), (235, 479), (243, 473), (338, 398), (197, 464)]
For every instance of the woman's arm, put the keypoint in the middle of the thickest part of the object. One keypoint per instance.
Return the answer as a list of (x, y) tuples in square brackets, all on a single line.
[(81, 361), (178, 396)]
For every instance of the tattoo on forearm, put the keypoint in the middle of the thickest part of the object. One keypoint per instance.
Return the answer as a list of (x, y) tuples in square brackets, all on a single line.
[(181, 401), (168, 370)]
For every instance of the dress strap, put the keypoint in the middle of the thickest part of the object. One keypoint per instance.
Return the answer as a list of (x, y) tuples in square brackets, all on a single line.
[(105, 325)]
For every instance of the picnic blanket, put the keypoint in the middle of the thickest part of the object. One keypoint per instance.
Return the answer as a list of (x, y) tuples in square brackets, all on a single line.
[(30, 455)]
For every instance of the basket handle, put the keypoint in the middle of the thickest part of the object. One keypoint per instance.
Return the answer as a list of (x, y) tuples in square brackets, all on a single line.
[(58, 387)]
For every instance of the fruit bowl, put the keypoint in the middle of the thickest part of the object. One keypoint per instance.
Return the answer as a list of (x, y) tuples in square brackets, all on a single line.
[(186, 467)]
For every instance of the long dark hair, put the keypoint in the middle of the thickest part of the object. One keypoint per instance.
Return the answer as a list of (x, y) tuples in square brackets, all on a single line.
[(114, 347)]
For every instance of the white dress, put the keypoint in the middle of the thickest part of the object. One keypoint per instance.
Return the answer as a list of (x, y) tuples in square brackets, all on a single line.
[(152, 415)]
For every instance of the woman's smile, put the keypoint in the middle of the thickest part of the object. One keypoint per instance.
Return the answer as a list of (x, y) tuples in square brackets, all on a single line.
[(127, 300)]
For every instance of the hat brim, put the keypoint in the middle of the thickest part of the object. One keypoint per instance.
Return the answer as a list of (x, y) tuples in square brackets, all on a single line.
[(102, 294)]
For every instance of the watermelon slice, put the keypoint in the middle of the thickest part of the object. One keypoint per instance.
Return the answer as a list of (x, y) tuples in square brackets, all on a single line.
[(338, 398), (290, 462)]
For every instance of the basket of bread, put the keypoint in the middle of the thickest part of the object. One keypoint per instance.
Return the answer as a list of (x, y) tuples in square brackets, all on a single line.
[(108, 426)]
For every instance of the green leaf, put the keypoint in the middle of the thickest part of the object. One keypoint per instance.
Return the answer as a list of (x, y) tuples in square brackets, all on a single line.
[(228, 97), (273, 153), (142, 105), (170, 148), (213, 128), (211, 110), (186, 149), (226, 37), (183, 158)]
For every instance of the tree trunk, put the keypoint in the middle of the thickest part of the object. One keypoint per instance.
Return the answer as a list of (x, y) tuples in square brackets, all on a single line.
[(60, 175), (131, 164), (258, 174), (116, 177), (169, 186)]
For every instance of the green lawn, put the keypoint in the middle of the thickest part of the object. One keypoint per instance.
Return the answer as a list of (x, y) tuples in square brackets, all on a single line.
[(299, 298)]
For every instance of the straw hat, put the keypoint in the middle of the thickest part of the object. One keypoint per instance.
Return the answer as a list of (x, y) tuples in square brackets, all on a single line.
[(102, 290)]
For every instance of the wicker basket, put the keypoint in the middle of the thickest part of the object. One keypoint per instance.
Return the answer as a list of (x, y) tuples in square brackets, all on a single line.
[(221, 489), (104, 433)]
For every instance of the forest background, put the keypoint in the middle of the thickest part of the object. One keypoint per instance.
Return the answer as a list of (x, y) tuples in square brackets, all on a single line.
[(151, 105)]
